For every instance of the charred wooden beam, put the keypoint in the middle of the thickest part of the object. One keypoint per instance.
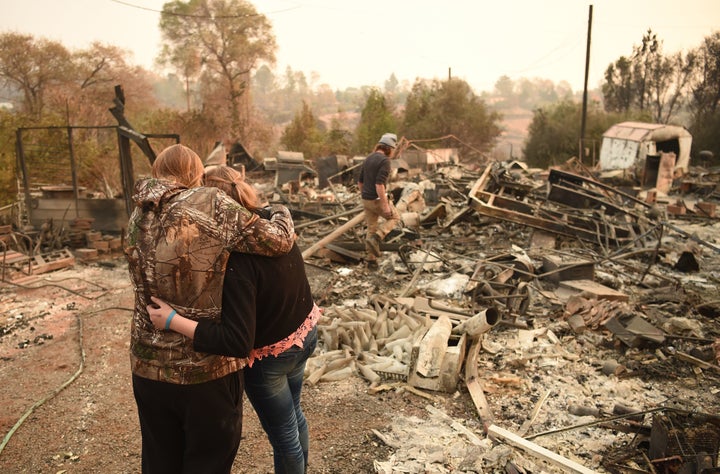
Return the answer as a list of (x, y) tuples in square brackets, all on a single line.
[(567, 465)]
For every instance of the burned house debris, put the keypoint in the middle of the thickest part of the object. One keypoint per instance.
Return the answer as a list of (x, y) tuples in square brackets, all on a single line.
[(579, 317), (57, 210), (289, 167), (558, 256)]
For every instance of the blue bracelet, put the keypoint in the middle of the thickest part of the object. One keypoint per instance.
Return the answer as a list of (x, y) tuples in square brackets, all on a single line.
[(167, 321)]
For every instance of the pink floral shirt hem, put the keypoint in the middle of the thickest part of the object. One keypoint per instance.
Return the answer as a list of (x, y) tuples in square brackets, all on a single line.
[(295, 339)]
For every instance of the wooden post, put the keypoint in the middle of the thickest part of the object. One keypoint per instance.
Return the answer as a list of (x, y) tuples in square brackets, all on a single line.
[(333, 235)]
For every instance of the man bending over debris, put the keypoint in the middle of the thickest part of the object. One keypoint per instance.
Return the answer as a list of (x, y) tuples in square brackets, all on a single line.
[(372, 182)]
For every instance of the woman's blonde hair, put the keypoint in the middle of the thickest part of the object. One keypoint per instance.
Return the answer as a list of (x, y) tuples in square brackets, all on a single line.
[(180, 164), (231, 181)]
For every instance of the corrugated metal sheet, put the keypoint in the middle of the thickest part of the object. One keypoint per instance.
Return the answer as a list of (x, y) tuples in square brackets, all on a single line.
[(640, 131), (618, 153)]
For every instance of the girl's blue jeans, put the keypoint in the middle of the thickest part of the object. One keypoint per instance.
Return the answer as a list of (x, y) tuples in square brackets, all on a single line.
[(273, 385)]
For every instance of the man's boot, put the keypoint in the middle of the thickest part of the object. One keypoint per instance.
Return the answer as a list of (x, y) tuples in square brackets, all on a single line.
[(372, 245)]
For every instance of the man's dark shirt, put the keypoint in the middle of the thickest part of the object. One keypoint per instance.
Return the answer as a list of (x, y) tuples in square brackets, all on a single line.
[(375, 170)]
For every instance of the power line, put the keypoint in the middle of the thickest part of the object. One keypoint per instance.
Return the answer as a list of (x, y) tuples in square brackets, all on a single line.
[(571, 40), (206, 17), (139, 7)]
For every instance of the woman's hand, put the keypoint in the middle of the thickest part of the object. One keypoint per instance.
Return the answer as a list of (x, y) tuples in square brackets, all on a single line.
[(159, 312), (164, 317)]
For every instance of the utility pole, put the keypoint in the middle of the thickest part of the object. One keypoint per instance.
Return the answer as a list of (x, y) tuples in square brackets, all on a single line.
[(585, 89)]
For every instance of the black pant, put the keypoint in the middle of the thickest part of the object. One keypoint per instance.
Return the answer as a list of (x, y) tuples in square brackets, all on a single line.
[(189, 429)]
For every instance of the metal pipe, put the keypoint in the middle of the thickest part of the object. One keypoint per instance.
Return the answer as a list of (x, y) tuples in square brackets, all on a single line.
[(479, 324)]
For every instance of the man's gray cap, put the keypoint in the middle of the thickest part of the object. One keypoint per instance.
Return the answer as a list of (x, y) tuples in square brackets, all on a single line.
[(389, 139)]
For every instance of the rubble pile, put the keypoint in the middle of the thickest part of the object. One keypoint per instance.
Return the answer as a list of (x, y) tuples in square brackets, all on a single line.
[(607, 318)]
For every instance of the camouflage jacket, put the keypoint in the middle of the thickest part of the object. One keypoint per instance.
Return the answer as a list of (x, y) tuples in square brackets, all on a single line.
[(177, 246)]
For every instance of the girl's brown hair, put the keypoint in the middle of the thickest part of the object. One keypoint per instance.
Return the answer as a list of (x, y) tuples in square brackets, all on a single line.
[(231, 181), (180, 164)]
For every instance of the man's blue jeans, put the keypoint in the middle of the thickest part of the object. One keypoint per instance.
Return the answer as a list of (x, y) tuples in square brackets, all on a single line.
[(273, 385)]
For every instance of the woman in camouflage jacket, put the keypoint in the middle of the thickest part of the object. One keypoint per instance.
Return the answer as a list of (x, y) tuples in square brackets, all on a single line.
[(179, 239)]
